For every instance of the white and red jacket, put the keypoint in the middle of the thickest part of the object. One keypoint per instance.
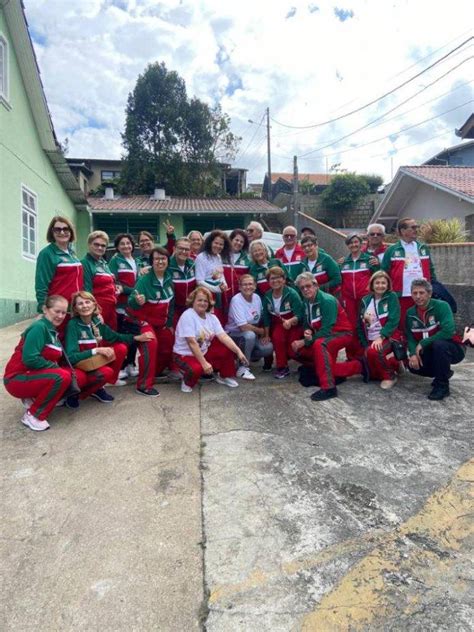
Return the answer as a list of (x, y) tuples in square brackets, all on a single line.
[(394, 263)]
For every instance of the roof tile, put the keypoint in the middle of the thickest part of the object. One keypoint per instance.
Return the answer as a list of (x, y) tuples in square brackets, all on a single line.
[(182, 205), (457, 179)]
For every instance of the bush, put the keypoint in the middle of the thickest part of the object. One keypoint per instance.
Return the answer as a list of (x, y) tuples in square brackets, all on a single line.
[(442, 231), (373, 180)]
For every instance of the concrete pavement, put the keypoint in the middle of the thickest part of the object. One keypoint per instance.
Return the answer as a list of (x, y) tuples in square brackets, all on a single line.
[(351, 514)]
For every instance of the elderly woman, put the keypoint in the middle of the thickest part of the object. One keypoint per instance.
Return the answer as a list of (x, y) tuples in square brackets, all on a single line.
[(202, 346), (379, 318), (282, 318), (58, 270), (197, 240), (146, 243), (245, 327), (260, 262), (182, 272), (86, 337), (237, 263), (33, 373), (210, 269), (323, 267), (99, 280), (151, 304)]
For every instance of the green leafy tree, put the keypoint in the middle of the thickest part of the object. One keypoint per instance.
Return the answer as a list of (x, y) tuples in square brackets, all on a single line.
[(373, 180), (344, 193), (171, 141)]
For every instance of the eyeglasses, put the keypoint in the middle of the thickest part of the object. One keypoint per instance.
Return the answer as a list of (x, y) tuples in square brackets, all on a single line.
[(160, 260), (250, 230), (375, 234), (183, 249), (143, 242), (61, 229), (306, 287), (289, 236), (99, 245), (410, 227)]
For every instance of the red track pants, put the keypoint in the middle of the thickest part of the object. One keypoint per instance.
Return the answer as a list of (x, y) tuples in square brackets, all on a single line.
[(351, 307), (323, 354), (90, 382), (405, 303), (155, 355), (221, 358), (381, 367), (281, 339), (45, 386), (109, 314)]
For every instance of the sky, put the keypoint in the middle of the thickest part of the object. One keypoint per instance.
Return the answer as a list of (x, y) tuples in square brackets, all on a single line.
[(308, 62)]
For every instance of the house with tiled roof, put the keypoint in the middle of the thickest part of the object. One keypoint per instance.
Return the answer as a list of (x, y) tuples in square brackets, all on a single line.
[(132, 213), (427, 192), (467, 128), (283, 182), (461, 155)]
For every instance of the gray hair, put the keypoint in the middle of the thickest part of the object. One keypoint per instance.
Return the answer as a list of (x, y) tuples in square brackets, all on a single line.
[(422, 283), (381, 227), (305, 276), (258, 242), (256, 225)]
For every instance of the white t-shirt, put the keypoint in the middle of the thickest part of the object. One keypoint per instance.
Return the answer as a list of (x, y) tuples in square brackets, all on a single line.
[(311, 264), (234, 256), (288, 253), (277, 303), (243, 312), (374, 329), (132, 262), (205, 267), (190, 325), (412, 269)]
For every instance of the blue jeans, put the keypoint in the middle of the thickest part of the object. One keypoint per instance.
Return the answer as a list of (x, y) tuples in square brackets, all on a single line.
[(250, 344)]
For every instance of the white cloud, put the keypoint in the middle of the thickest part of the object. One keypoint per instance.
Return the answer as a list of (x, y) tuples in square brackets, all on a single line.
[(299, 58)]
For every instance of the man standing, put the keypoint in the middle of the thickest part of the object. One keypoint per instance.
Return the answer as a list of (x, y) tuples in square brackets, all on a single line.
[(291, 254), (433, 344), (406, 261), (254, 231), (375, 245)]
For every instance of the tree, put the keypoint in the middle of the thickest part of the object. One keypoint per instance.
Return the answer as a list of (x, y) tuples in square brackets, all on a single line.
[(172, 142), (344, 193), (373, 180)]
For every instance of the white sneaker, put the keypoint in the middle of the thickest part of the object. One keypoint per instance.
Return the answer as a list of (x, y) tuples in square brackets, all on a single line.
[(185, 388), (122, 374), (27, 402), (227, 381), (388, 384), (118, 382), (131, 370), (32, 422), (245, 373)]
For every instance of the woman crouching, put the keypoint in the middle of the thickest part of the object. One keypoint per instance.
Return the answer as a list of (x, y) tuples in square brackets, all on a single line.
[(202, 346), (87, 337)]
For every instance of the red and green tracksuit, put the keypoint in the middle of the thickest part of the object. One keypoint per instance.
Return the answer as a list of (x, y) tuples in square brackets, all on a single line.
[(259, 272), (378, 252), (393, 263), (143, 260), (388, 312), (232, 274), (184, 282), (325, 271), (293, 266), (100, 281), (290, 306), (81, 339), (156, 315), (125, 276), (425, 326), (33, 371), (332, 332)]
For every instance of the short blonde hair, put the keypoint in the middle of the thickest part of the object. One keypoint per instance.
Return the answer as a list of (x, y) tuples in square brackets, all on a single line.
[(97, 234)]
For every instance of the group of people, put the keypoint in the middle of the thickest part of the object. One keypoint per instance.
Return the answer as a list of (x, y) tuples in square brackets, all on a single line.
[(203, 308)]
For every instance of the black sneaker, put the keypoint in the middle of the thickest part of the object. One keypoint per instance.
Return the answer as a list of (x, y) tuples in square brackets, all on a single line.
[(324, 393), (364, 369), (72, 402), (149, 392), (102, 396), (267, 363), (450, 375), (340, 380), (438, 393)]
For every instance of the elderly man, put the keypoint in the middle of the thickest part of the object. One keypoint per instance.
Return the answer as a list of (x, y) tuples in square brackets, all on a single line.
[(291, 254), (405, 261), (375, 245), (254, 231), (327, 330), (433, 344)]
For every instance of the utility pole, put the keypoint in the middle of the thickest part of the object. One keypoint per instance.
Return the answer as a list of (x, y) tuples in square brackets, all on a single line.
[(269, 158), (295, 192)]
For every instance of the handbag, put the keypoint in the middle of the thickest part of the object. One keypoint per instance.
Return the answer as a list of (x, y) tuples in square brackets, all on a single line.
[(73, 388), (93, 363), (399, 349)]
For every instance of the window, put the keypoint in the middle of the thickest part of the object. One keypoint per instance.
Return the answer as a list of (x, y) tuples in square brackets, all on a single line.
[(109, 175), (3, 70), (29, 222)]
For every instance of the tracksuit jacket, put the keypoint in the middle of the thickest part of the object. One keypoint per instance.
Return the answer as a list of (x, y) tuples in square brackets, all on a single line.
[(80, 339), (184, 281), (393, 262), (326, 272), (291, 305), (158, 308), (259, 274), (325, 317), (388, 311), (98, 279), (125, 276), (356, 276), (143, 261), (293, 266), (57, 272), (378, 252), (435, 323), (39, 348), (233, 272)]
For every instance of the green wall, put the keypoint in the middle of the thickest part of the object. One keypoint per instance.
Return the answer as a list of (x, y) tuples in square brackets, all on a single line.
[(23, 162)]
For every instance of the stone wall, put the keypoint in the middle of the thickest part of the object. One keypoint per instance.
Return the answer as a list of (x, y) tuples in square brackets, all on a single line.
[(454, 262)]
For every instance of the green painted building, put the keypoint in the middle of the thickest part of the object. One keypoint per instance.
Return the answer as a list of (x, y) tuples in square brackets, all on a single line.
[(36, 183)]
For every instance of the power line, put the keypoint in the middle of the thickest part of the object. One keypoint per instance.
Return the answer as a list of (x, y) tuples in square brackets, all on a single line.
[(363, 107), (378, 118), (421, 142), (253, 136)]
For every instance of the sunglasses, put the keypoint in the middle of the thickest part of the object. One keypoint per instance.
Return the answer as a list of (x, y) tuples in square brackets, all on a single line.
[(375, 234), (61, 229), (289, 236), (99, 245)]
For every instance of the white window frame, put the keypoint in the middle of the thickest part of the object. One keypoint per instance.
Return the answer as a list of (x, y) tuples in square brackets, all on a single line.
[(5, 85), (31, 213)]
